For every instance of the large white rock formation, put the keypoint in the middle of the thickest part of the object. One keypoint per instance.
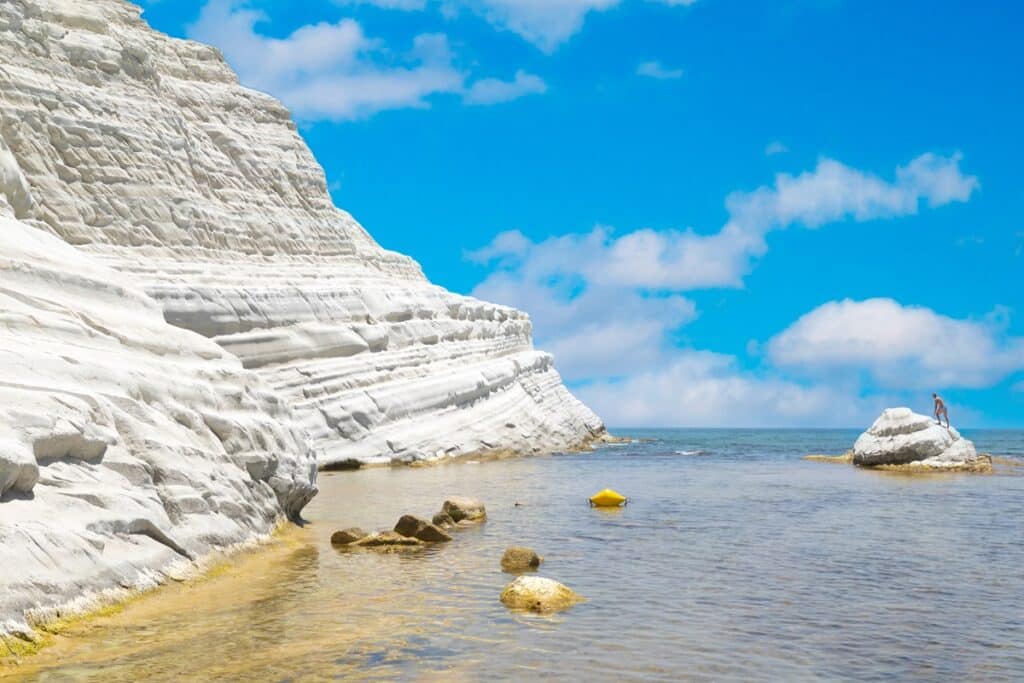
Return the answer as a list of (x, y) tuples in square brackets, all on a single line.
[(145, 152), (902, 437), (187, 321)]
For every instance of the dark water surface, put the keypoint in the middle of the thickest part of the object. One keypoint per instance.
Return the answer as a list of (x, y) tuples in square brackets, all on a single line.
[(735, 560)]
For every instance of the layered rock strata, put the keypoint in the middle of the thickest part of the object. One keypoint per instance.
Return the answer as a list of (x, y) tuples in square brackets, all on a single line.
[(127, 446), (145, 152)]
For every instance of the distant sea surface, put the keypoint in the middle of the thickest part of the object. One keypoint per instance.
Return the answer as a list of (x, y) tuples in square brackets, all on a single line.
[(734, 560)]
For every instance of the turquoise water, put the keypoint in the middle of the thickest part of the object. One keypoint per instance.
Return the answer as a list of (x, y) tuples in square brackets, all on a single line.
[(735, 560)]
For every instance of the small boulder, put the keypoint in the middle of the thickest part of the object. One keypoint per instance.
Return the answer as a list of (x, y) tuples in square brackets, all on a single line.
[(461, 508), (443, 520), (433, 534), (415, 527), (387, 539), (520, 559), (347, 536), (410, 525), (538, 594)]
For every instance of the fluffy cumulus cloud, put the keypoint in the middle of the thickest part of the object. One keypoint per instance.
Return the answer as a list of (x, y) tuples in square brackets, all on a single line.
[(335, 71), (900, 346), (658, 71), (610, 306)]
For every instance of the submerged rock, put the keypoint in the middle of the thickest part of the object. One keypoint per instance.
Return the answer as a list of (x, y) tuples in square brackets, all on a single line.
[(518, 559), (538, 594), (415, 527), (347, 536), (463, 508), (443, 520), (901, 437)]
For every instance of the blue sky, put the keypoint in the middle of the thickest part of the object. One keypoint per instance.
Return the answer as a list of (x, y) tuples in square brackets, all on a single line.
[(717, 213)]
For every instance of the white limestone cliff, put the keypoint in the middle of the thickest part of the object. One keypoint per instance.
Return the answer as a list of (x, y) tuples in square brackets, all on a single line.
[(145, 152), (902, 437), (187, 322)]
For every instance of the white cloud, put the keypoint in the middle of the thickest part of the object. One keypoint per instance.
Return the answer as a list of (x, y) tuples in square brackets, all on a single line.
[(685, 260), (327, 70), (493, 90), (658, 71), (336, 72), (608, 306), (773, 148), (545, 23), (705, 389), (899, 346), (593, 331), (834, 192)]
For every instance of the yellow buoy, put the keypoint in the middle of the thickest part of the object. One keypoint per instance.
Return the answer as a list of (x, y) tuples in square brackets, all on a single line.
[(607, 499)]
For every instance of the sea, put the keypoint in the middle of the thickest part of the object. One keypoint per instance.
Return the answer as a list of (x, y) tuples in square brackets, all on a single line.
[(734, 560)]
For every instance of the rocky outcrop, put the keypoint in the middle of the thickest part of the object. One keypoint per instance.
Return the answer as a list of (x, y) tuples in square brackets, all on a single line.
[(537, 594), (902, 437), (145, 152)]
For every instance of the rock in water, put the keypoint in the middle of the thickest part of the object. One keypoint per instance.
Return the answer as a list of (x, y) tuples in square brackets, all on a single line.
[(902, 437), (414, 527), (443, 520), (462, 508), (347, 536), (388, 538), (170, 381), (433, 534), (538, 594), (519, 559)]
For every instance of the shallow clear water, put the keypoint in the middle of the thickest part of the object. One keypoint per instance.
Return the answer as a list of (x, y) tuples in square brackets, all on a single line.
[(735, 559)]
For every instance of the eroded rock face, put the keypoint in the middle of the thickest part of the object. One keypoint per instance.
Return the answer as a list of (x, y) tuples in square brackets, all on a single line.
[(145, 152), (126, 445), (902, 437), (537, 594)]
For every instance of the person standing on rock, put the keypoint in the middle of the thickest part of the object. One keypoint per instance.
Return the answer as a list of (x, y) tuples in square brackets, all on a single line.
[(940, 410)]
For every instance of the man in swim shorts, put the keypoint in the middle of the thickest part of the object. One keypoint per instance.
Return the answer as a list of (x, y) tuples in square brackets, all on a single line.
[(940, 410)]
